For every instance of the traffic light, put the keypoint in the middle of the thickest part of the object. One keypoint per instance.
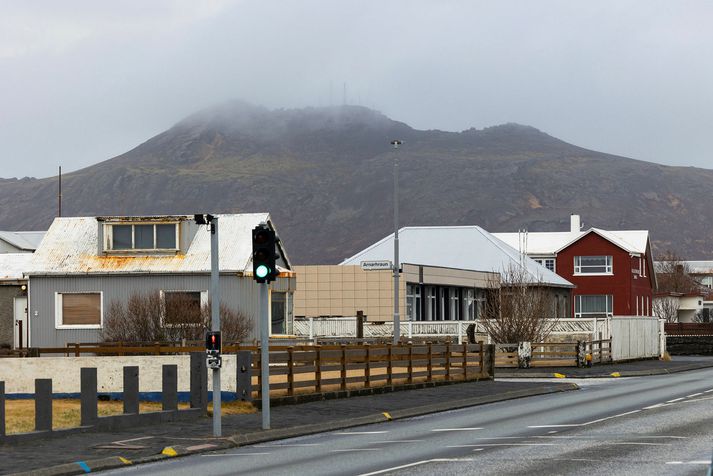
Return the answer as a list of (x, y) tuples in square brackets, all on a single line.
[(212, 342), (264, 268)]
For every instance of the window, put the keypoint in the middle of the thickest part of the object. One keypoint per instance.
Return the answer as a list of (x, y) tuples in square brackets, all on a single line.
[(548, 263), (78, 310), (183, 307), (593, 305), (278, 312), (413, 302), (592, 265), (141, 236)]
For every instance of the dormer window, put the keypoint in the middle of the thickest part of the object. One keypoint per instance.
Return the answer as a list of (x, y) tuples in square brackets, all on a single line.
[(141, 237)]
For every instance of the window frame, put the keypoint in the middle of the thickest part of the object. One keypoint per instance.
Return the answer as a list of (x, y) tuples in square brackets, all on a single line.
[(109, 237), (609, 266), (58, 311), (609, 312), (544, 260), (162, 293)]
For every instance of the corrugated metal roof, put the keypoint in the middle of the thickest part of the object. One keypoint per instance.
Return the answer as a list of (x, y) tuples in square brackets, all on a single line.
[(549, 243), (23, 240), (461, 247), (71, 247), (13, 265)]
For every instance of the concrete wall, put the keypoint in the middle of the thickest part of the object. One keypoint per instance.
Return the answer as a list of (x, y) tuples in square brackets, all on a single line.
[(239, 293), (19, 374), (8, 293)]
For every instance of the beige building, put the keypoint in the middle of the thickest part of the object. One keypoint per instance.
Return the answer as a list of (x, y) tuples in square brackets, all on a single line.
[(426, 292)]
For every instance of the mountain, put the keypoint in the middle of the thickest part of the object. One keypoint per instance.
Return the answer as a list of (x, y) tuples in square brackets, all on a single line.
[(326, 176)]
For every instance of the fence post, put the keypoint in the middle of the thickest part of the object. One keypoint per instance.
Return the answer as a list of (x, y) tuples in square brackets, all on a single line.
[(343, 384), (76, 350), (524, 354), (367, 366), (169, 387), (360, 324), (290, 371), (43, 404), (429, 365), (318, 369), (244, 383), (131, 389), (410, 362), (199, 381), (88, 396), (465, 361), (460, 333), (390, 364), (448, 360), (491, 359), (410, 329), (2, 409)]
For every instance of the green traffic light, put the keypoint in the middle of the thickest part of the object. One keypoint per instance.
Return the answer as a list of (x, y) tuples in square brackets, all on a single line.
[(262, 271)]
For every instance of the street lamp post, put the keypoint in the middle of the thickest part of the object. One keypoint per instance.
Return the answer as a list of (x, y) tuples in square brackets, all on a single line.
[(397, 320)]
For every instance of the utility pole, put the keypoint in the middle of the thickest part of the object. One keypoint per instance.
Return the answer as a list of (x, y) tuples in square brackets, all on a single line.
[(215, 320), (397, 319), (264, 356)]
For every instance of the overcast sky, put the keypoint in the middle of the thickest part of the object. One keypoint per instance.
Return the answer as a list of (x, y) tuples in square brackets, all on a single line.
[(83, 81)]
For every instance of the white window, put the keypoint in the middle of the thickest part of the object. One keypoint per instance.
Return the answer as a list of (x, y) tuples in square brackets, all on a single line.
[(141, 236), (79, 310), (593, 305), (548, 263), (183, 307), (592, 265)]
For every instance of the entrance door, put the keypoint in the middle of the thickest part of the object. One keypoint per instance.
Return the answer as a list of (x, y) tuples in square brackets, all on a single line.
[(20, 322)]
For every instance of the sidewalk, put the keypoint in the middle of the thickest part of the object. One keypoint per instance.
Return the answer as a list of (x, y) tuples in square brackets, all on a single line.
[(624, 369), (79, 452)]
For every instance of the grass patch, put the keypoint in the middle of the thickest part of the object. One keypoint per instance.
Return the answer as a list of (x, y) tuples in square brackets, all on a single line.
[(20, 414)]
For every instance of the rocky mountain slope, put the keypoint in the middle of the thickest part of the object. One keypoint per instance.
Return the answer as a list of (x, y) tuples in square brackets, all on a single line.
[(325, 175)]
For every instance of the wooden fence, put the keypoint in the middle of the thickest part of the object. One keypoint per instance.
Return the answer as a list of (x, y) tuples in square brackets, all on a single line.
[(688, 329), (307, 369), (554, 354)]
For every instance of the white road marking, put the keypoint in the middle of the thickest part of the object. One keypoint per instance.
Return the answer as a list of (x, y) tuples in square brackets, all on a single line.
[(417, 463), (694, 395), (674, 400), (394, 441), (651, 407), (478, 445), (457, 429), (355, 449), (211, 455), (641, 443), (570, 425), (360, 433), (708, 391), (295, 445), (553, 431), (688, 462)]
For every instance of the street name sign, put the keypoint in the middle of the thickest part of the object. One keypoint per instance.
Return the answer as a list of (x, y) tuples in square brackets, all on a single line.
[(376, 265)]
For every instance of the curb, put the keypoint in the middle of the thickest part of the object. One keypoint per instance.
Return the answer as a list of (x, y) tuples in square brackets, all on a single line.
[(621, 373), (237, 440)]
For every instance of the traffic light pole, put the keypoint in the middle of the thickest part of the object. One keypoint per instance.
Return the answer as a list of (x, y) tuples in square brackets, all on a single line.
[(397, 266), (264, 356), (215, 319)]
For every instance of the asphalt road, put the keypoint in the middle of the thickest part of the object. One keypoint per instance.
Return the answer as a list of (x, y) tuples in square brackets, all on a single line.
[(644, 425)]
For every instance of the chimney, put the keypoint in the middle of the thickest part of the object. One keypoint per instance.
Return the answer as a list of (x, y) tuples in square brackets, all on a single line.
[(574, 225)]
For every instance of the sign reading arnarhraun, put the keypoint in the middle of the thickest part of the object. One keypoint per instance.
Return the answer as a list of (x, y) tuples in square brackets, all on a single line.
[(376, 265)]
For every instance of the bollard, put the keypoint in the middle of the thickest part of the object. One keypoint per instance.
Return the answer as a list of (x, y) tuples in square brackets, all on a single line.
[(2, 409), (244, 386), (131, 389), (169, 387), (88, 396), (43, 404), (199, 381)]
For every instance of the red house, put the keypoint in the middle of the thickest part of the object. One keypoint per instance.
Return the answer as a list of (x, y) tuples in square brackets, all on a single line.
[(612, 270)]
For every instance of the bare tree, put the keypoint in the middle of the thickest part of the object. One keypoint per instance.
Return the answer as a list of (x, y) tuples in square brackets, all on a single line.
[(673, 274), (149, 318), (518, 309), (666, 307)]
